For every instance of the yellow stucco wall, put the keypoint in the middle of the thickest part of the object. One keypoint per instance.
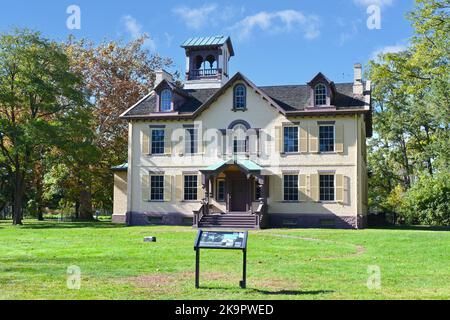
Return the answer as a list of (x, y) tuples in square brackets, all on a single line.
[(259, 114), (120, 196)]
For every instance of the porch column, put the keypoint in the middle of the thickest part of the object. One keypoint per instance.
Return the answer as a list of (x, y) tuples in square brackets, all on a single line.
[(262, 182)]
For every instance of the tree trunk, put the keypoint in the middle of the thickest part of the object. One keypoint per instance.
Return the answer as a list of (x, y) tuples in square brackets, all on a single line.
[(18, 198), (77, 209), (85, 205)]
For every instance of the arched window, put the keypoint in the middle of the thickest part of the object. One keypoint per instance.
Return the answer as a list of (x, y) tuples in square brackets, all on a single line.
[(320, 95), (239, 138), (166, 100), (198, 62), (240, 97)]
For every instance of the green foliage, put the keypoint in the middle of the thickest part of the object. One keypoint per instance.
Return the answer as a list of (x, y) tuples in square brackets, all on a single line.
[(411, 100), (427, 202)]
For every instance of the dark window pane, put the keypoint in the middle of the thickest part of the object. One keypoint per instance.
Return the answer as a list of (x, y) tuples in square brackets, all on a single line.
[(158, 141), (157, 188), (326, 138), (221, 190), (190, 187), (290, 187), (327, 187), (290, 139)]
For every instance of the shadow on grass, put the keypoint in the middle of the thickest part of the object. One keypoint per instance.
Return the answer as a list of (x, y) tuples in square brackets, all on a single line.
[(292, 292), (411, 228), (275, 292), (69, 225)]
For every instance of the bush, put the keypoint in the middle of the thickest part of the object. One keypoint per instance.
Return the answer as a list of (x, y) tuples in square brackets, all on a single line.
[(427, 201)]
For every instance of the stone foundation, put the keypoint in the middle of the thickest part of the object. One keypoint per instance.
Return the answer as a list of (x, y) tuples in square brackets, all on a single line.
[(154, 218), (275, 220), (279, 220)]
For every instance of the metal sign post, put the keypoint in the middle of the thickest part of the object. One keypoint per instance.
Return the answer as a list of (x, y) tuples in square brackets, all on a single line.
[(228, 240)]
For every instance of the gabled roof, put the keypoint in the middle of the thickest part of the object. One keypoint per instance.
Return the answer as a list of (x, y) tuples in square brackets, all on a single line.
[(287, 99), (200, 42)]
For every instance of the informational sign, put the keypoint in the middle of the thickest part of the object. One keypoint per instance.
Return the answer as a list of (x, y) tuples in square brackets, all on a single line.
[(222, 240), (231, 240)]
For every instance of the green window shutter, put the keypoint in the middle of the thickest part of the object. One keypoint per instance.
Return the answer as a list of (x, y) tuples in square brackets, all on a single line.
[(168, 141), (339, 188), (314, 138), (303, 139), (339, 139), (145, 187), (167, 188), (303, 187), (314, 181), (145, 141)]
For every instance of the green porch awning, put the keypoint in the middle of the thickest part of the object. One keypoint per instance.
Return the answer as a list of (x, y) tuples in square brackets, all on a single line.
[(122, 167), (245, 165), (249, 165)]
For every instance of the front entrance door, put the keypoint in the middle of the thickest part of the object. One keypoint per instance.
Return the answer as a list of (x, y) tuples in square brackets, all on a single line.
[(238, 195)]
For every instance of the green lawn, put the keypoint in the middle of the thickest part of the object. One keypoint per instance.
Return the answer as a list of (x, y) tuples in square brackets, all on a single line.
[(282, 264)]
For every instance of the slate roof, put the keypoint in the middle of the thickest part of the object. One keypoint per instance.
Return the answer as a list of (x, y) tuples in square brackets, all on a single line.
[(288, 97)]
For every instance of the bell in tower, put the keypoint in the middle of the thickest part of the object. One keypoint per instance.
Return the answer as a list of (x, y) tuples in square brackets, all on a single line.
[(207, 61)]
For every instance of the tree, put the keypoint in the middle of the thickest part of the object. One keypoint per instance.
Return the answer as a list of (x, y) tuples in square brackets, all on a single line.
[(412, 109), (38, 93), (116, 76)]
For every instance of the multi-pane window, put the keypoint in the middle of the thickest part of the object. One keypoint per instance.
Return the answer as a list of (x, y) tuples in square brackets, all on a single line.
[(191, 140), (290, 187), (239, 139), (157, 141), (320, 95), (290, 139), (258, 191), (166, 100), (326, 187), (240, 97), (221, 190), (190, 187), (326, 138), (156, 188)]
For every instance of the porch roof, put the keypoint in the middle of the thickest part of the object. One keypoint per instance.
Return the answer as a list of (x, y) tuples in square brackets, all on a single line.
[(246, 165)]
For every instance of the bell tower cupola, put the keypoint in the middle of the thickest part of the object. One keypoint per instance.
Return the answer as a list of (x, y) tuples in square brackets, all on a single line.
[(207, 61)]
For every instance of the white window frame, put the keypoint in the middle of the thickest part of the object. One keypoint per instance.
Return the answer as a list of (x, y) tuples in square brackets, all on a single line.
[(316, 94), (334, 138), (163, 100), (298, 185), (334, 187), (298, 139), (150, 187)]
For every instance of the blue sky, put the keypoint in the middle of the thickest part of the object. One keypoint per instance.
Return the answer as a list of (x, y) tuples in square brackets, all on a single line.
[(276, 42)]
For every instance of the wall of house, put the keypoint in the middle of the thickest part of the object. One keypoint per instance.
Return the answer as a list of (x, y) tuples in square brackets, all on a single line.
[(120, 196), (259, 114)]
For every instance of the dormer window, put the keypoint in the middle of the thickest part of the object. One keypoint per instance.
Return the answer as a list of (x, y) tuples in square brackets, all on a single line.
[(166, 101), (240, 97), (320, 95)]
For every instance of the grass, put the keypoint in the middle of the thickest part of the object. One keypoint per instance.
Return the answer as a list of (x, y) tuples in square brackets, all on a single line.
[(282, 264)]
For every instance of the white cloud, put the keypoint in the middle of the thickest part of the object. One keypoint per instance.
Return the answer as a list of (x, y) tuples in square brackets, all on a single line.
[(195, 18), (278, 22), (350, 32), (387, 49), (134, 29), (380, 3)]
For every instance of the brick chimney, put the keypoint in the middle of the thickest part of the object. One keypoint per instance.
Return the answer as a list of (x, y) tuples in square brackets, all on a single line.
[(357, 82)]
